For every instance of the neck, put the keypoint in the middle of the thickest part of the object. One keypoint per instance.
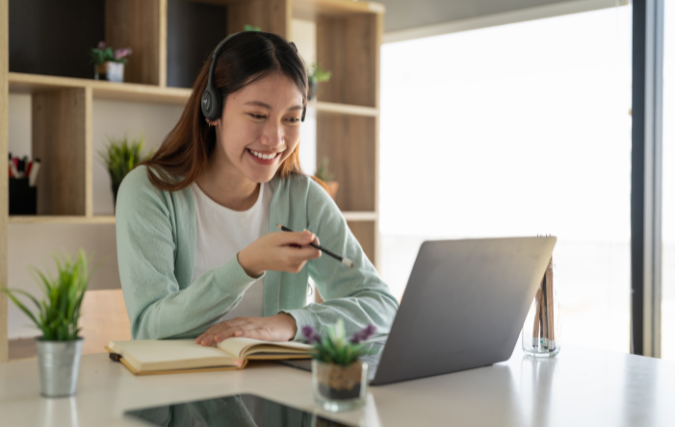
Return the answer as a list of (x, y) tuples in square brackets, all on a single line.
[(227, 187)]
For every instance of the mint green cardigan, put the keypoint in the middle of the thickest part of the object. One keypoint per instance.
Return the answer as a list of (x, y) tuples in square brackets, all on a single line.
[(156, 241)]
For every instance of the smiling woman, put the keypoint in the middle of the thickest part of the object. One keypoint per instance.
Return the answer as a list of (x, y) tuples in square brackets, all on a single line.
[(199, 254)]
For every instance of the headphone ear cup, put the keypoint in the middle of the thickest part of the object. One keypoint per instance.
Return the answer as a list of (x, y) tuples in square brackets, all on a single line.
[(211, 104)]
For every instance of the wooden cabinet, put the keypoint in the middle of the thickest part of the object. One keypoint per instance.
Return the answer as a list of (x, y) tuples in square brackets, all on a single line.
[(169, 45)]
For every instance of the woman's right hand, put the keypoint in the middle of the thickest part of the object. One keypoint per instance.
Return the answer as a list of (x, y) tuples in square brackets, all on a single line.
[(279, 251)]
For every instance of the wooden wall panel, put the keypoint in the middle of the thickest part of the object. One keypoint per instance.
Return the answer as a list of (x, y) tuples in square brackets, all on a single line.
[(272, 16), (138, 24), (59, 140), (349, 144), (349, 48), (4, 191), (364, 231)]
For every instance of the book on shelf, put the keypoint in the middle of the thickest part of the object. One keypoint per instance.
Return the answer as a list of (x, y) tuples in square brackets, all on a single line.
[(146, 357)]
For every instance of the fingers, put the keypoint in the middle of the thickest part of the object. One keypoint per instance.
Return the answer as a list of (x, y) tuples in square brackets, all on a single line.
[(303, 254), (274, 328), (301, 238), (237, 327), (208, 338)]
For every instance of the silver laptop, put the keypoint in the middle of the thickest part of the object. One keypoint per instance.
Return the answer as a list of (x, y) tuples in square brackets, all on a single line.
[(463, 308)]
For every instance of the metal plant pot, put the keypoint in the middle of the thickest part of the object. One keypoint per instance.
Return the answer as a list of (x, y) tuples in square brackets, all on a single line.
[(59, 365)]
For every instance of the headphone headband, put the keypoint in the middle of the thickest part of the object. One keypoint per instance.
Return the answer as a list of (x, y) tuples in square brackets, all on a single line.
[(211, 102)]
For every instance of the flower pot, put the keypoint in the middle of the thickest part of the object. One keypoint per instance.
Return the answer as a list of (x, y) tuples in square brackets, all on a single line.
[(313, 87), (111, 71), (332, 188), (59, 363), (340, 388), (115, 189)]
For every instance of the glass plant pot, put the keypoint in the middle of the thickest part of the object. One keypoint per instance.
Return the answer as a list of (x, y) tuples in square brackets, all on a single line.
[(340, 388), (541, 332)]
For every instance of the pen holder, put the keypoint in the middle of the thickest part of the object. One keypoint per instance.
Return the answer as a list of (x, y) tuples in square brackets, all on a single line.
[(22, 197), (541, 332)]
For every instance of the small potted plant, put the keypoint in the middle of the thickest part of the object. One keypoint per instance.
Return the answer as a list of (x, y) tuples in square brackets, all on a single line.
[(327, 177), (109, 65), (316, 75), (59, 347), (340, 378), (121, 157)]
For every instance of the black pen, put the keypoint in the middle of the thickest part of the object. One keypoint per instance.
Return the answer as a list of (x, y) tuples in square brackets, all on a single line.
[(343, 260)]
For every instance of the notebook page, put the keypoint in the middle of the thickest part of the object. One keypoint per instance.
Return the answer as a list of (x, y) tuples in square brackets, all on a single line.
[(240, 347)]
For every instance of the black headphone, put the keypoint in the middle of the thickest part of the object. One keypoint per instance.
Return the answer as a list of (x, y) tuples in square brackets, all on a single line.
[(212, 103)]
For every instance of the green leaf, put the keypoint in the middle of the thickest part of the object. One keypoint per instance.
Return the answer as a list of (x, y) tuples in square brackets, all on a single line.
[(121, 156), (21, 306), (59, 311)]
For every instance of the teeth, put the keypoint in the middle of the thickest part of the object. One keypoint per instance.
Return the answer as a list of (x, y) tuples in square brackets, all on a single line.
[(263, 156)]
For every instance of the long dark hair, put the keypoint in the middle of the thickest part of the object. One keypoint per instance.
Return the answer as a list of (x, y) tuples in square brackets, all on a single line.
[(247, 58)]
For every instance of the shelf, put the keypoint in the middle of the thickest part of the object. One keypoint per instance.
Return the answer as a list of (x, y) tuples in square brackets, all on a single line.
[(58, 219), (110, 219), (311, 9), (360, 216), (352, 110), (30, 83)]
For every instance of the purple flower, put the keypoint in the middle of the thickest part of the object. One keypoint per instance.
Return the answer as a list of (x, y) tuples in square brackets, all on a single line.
[(363, 334), (121, 53), (101, 45), (310, 334)]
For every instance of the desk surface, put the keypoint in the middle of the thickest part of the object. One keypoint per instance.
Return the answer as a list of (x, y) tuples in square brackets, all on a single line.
[(577, 388)]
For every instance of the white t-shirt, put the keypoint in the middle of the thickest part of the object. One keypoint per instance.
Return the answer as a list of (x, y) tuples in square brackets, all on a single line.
[(222, 233)]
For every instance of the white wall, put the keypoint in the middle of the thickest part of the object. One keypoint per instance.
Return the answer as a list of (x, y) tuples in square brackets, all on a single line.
[(406, 14)]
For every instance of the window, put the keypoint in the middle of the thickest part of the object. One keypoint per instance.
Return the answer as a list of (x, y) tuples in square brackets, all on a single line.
[(520, 129), (668, 260)]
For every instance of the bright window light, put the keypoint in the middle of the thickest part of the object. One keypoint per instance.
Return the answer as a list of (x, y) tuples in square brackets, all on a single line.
[(517, 130)]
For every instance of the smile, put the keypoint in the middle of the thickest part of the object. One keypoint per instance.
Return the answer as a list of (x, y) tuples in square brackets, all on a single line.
[(263, 156)]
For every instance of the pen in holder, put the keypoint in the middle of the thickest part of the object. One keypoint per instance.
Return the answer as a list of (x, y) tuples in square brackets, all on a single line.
[(541, 332), (22, 197)]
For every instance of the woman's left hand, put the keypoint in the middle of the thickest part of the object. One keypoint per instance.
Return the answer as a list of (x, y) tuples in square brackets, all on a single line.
[(278, 328)]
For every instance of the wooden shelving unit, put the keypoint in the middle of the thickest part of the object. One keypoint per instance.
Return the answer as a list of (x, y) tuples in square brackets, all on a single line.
[(348, 38)]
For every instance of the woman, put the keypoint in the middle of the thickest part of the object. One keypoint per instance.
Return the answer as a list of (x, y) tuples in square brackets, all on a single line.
[(198, 248)]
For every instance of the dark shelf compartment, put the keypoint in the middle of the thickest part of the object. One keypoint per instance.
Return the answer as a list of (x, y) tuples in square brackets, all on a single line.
[(193, 31), (53, 37)]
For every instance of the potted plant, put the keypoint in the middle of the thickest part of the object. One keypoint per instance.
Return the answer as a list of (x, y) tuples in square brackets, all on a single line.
[(109, 65), (121, 157), (59, 347), (327, 178), (316, 75), (340, 378)]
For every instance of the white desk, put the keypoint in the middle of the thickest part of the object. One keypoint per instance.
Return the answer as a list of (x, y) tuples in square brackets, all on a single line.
[(579, 387)]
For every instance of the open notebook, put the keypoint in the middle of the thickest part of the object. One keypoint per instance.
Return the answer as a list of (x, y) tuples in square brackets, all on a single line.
[(144, 357)]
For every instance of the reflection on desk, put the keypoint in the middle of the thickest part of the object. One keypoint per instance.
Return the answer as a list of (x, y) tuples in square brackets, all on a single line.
[(245, 410)]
